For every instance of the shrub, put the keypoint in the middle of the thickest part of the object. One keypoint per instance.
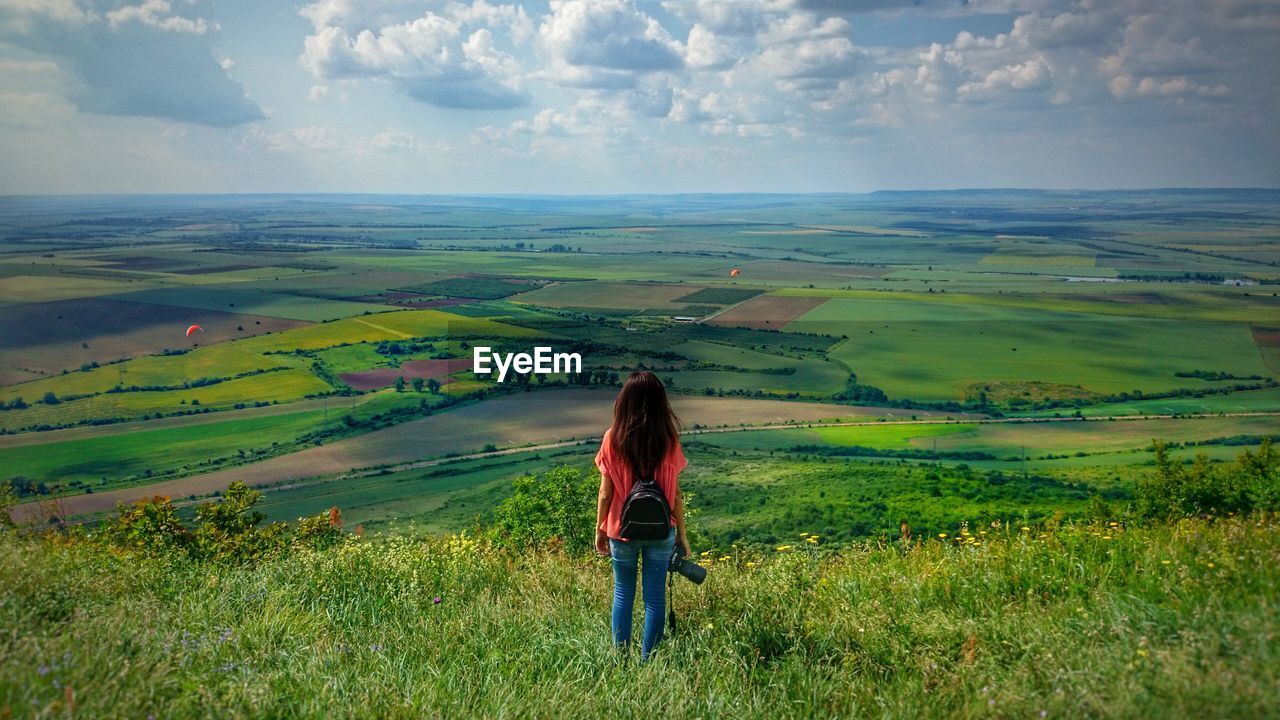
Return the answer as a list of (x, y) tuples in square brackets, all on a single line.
[(228, 529), (557, 508), (319, 531), (7, 500), (149, 524), (1251, 482)]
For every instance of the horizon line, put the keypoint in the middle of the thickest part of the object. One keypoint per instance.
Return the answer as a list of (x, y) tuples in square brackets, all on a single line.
[(833, 193)]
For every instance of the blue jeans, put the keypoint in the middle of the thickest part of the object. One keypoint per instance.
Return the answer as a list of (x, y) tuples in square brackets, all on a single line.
[(626, 556)]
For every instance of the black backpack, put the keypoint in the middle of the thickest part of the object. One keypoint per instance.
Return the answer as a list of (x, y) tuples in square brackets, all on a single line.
[(646, 515)]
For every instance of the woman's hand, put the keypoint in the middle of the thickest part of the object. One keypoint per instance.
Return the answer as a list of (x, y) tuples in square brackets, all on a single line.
[(602, 543), (682, 545)]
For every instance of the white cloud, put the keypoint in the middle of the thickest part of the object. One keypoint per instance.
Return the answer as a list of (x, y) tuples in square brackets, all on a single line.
[(149, 59), (449, 59), (605, 44), (1019, 77), (158, 14)]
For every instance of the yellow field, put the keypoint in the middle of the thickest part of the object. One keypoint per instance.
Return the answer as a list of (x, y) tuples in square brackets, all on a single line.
[(239, 356), (282, 386)]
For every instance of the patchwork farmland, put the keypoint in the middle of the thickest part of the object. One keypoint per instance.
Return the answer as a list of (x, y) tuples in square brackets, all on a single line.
[(990, 331)]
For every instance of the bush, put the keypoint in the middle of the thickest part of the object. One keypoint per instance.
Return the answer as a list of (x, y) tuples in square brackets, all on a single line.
[(1251, 482), (227, 530), (556, 509), (7, 500), (319, 531), (149, 524)]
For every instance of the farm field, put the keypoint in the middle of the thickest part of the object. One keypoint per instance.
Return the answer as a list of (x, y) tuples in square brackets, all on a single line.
[(505, 422), (931, 305)]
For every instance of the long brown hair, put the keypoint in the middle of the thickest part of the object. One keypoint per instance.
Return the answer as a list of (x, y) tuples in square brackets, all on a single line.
[(644, 426)]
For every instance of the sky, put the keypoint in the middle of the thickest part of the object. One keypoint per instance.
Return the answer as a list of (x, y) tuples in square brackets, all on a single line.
[(622, 96)]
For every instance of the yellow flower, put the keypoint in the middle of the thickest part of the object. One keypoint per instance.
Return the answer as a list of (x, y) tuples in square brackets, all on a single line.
[(726, 557), (1106, 537), (1165, 562), (1210, 564), (1026, 529), (1142, 652), (942, 535), (750, 564), (812, 541), (783, 548)]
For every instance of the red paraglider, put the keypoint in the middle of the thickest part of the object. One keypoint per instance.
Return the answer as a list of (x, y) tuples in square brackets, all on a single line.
[(735, 272), (194, 328)]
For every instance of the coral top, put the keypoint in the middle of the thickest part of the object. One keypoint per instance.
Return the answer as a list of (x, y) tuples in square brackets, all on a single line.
[(619, 473)]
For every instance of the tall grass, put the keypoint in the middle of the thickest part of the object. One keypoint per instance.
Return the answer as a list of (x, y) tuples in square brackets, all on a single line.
[(1173, 620)]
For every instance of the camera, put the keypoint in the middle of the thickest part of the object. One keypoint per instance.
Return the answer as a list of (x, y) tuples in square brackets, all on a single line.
[(692, 571)]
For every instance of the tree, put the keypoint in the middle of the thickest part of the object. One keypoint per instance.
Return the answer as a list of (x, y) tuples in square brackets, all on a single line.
[(417, 384), (50, 398), (400, 384), (433, 386)]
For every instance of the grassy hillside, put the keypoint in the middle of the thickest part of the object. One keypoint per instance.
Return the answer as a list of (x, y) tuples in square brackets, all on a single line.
[(1171, 620)]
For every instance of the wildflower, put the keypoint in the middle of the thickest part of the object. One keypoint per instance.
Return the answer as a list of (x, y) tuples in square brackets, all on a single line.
[(1106, 537), (1026, 529), (812, 541), (375, 647), (750, 564), (1210, 564), (783, 548), (711, 626), (1142, 652), (43, 670), (942, 535), (726, 557), (435, 600), (1165, 562)]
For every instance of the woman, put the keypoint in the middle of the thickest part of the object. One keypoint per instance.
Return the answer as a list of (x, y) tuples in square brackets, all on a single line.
[(644, 438)]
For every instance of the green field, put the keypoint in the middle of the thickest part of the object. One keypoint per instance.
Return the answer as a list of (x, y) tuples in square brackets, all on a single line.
[(933, 350), (953, 304)]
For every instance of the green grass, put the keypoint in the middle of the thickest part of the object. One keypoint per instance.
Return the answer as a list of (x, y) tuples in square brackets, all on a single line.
[(480, 288), (118, 456), (719, 296), (441, 498), (1238, 402), (935, 350), (1167, 621), (230, 298), (1003, 439), (282, 386)]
